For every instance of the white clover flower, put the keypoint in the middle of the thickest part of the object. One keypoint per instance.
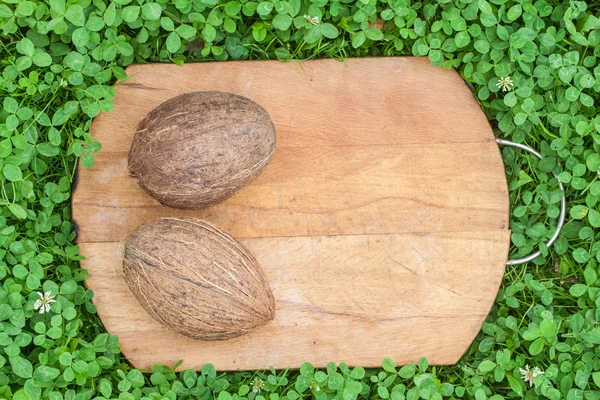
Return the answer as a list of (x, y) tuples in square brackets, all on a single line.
[(313, 20), (505, 84), (43, 304), (314, 386), (528, 374), (257, 385)]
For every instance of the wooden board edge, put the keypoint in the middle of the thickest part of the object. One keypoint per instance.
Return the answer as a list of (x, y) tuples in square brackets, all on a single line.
[(497, 286)]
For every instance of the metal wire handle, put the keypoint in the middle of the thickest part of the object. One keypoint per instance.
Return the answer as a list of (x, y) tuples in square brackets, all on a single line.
[(563, 206)]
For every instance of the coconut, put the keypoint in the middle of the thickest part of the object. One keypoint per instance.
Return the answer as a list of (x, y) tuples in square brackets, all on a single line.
[(196, 279), (200, 148)]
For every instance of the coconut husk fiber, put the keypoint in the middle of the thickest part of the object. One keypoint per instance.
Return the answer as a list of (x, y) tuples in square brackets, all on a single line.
[(200, 148), (196, 279)]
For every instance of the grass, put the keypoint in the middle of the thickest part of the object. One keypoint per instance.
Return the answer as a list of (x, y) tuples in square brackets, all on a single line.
[(58, 62)]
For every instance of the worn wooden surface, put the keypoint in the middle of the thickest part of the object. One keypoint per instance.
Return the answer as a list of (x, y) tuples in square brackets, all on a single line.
[(381, 222)]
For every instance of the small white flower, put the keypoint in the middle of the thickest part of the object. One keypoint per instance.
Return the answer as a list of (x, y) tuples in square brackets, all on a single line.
[(43, 304), (505, 84), (315, 387), (257, 385), (528, 375), (313, 20)]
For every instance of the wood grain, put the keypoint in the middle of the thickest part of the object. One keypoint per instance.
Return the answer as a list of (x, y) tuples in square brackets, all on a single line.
[(363, 101), (354, 299), (364, 189), (381, 222)]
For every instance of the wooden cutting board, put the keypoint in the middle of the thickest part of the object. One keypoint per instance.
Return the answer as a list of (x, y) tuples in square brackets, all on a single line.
[(381, 222)]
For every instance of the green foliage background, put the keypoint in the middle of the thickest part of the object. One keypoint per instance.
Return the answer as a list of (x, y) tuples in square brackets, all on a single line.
[(59, 59)]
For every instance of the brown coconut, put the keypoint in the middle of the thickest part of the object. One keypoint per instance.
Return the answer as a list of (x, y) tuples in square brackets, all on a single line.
[(196, 279), (200, 148)]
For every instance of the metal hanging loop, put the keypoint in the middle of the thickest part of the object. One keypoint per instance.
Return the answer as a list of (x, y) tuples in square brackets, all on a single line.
[(563, 205)]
